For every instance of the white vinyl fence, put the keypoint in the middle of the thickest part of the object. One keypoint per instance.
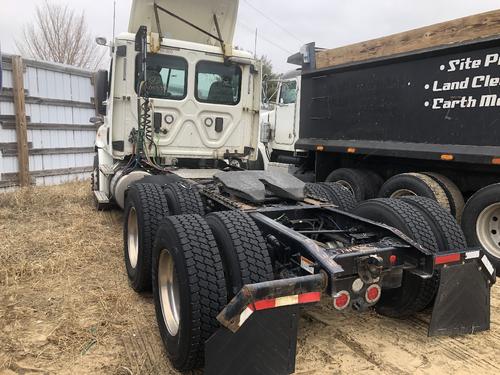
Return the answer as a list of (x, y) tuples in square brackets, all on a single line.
[(58, 104)]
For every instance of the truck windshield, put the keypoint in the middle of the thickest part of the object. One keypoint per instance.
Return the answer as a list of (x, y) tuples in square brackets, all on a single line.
[(217, 83), (166, 77), (288, 94)]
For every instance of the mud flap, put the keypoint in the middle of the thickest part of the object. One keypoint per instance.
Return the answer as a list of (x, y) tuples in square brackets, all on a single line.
[(265, 345), (463, 301)]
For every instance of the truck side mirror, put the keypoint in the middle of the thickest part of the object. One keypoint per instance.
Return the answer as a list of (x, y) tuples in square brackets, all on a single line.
[(96, 120), (101, 91), (101, 41)]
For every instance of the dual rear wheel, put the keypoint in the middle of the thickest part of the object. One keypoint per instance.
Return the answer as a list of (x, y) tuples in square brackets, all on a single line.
[(193, 264), (428, 224)]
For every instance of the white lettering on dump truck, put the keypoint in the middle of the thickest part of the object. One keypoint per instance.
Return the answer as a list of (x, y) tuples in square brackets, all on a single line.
[(483, 81), (458, 65), (492, 100)]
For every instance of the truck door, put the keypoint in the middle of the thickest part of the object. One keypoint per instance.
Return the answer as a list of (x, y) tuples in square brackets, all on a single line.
[(286, 114)]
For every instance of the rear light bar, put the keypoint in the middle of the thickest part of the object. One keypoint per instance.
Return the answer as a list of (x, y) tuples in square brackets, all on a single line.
[(266, 304)]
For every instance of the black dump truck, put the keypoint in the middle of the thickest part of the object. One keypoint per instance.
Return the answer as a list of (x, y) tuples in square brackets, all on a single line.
[(413, 114)]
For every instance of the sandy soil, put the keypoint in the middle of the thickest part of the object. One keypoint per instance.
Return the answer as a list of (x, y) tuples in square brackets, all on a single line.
[(66, 308)]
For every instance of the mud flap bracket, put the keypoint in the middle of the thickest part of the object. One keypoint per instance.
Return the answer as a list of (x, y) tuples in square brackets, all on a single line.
[(463, 301), (265, 345)]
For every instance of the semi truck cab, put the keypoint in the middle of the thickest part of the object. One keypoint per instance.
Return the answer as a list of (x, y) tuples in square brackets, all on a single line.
[(184, 99)]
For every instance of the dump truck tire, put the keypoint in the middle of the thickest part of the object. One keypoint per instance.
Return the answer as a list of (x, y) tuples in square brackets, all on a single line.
[(361, 183), (184, 199), (188, 288), (455, 196), (481, 222), (376, 181), (145, 208), (243, 250), (415, 293), (445, 227), (414, 184)]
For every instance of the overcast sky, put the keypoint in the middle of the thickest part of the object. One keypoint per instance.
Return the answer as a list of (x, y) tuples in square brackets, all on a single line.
[(288, 25)]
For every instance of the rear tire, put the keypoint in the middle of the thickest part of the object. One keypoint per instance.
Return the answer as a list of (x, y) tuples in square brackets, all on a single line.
[(415, 293), (361, 183), (481, 222), (331, 192), (243, 250), (184, 199), (145, 208), (188, 288), (414, 184), (455, 196), (445, 227)]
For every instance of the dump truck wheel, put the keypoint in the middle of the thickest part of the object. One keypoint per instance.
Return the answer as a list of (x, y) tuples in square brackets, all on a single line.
[(481, 222), (188, 288), (415, 293), (184, 199), (445, 227), (455, 196), (243, 250), (414, 184), (145, 208), (333, 193), (361, 183)]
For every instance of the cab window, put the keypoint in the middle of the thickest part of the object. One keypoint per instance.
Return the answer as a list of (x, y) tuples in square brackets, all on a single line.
[(217, 83), (288, 94), (166, 77)]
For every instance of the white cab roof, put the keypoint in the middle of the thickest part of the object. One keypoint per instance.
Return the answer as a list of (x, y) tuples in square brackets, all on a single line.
[(198, 12)]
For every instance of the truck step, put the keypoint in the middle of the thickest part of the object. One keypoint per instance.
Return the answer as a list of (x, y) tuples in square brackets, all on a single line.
[(101, 197), (107, 170)]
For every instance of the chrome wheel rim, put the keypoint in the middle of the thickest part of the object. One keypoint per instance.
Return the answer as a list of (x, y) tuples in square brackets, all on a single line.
[(168, 287), (133, 238), (347, 185), (403, 193), (488, 229)]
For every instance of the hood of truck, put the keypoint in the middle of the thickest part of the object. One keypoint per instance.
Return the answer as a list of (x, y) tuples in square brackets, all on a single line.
[(198, 12)]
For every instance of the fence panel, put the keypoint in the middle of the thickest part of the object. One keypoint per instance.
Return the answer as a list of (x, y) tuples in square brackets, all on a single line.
[(59, 103)]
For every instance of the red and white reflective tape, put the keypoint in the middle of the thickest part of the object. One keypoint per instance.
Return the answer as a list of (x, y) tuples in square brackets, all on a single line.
[(266, 304), (447, 258)]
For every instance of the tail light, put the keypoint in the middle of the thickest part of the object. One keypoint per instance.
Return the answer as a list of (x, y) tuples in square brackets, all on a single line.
[(341, 300)]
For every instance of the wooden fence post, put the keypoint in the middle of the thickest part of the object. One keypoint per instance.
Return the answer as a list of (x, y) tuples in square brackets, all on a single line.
[(21, 123)]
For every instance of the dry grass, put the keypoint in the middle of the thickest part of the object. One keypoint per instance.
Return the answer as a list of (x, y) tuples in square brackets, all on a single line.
[(63, 288)]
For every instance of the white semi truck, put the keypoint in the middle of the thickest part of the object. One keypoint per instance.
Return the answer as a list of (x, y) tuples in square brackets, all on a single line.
[(231, 255)]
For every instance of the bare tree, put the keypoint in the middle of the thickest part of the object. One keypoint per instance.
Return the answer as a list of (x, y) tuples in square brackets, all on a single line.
[(60, 34)]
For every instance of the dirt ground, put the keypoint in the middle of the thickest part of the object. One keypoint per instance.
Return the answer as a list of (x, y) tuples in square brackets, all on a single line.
[(66, 308)]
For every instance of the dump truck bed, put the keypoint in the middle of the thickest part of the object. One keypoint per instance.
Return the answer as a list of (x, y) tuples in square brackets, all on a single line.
[(441, 99)]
